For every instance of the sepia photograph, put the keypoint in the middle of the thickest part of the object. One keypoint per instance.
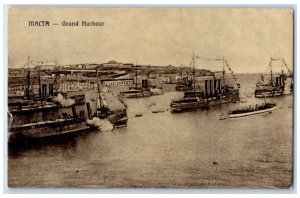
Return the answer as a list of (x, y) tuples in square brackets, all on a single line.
[(167, 98)]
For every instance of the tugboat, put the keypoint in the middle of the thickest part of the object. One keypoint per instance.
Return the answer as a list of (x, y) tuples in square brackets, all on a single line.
[(275, 85), (216, 92)]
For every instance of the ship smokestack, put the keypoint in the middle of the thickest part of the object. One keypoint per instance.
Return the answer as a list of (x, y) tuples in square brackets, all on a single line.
[(74, 111), (145, 83), (211, 87), (206, 88), (215, 87)]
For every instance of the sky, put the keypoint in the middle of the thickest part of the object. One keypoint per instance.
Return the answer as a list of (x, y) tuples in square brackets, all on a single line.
[(247, 38)]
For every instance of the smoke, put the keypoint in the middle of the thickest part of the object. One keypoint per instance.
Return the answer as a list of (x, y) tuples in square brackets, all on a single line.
[(156, 90), (103, 124), (64, 102)]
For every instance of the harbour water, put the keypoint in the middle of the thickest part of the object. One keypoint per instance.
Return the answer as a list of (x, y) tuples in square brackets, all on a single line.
[(163, 150)]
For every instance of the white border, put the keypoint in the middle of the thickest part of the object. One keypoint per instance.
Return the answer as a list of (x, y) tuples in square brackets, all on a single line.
[(110, 3)]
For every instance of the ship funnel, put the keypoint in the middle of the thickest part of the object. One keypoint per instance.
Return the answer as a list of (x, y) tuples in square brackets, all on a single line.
[(211, 83), (206, 87), (215, 87), (145, 83), (74, 111)]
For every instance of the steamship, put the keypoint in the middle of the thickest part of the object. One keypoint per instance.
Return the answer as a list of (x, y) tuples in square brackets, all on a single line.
[(31, 102), (216, 92), (110, 107), (274, 86), (115, 113), (49, 127), (138, 91)]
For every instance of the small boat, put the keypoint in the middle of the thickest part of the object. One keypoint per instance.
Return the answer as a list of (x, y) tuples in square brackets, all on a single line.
[(152, 104), (159, 111), (258, 109)]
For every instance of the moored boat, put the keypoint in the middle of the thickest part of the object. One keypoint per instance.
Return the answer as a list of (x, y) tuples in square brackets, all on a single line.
[(110, 107), (29, 101), (273, 84), (50, 128), (138, 91), (215, 92)]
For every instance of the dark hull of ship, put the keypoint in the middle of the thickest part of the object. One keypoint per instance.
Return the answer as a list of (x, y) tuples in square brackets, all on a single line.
[(122, 122), (205, 103), (118, 118), (47, 129)]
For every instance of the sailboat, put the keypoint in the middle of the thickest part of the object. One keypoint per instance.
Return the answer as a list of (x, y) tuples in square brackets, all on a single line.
[(275, 85), (216, 92)]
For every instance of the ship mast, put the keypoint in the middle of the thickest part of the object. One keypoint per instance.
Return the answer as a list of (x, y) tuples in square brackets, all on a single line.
[(98, 86), (271, 71), (194, 71), (223, 60), (282, 66), (136, 74), (39, 79), (28, 78)]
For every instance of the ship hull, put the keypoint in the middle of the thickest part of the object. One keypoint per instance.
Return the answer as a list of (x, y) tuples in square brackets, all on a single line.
[(205, 103), (261, 93), (138, 95), (48, 129), (121, 122), (252, 113)]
